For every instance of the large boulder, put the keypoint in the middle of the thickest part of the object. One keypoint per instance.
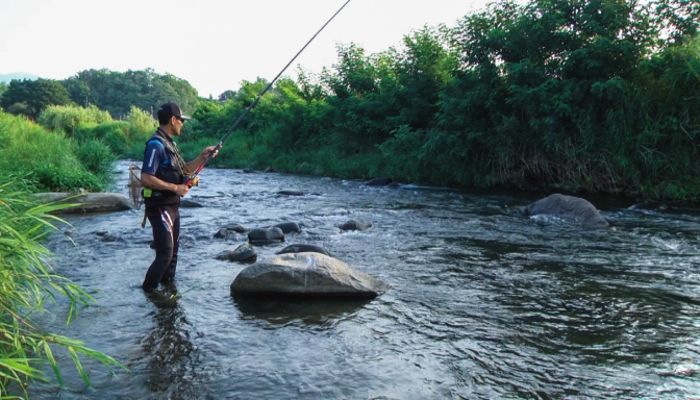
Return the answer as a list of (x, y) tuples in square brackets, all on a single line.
[(305, 275), (87, 202), (570, 208)]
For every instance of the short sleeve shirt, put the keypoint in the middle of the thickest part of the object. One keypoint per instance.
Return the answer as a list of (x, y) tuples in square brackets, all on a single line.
[(154, 156)]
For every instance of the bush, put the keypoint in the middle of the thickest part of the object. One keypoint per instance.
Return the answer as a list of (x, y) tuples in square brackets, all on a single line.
[(29, 149), (70, 118), (95, 156)]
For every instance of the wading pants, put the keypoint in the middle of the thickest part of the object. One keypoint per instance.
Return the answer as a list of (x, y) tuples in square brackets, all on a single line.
[(165, 221)]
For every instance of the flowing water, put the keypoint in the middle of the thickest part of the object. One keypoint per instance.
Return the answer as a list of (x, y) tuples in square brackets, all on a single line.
[(484, 304)]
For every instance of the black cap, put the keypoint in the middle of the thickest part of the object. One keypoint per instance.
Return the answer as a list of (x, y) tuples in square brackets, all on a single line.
[(169, 110)]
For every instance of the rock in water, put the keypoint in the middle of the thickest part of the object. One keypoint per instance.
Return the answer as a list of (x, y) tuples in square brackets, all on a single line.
[(568, 207), (243, 253), (305, 275), (88, 202), (304, 248), (290, 193), (263, 236), (289, 227), (354, 225)]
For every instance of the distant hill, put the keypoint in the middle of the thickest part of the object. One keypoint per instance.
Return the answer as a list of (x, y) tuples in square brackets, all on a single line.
[(6, 78)]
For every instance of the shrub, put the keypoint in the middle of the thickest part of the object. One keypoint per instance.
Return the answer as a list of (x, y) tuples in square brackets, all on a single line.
[(28, 149), (95, 156), (70, 118)]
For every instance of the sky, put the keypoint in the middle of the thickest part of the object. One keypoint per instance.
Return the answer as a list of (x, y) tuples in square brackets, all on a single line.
[(213, 44)]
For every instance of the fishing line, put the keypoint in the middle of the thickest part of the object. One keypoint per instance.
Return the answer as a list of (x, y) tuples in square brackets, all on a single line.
[(257, 99)]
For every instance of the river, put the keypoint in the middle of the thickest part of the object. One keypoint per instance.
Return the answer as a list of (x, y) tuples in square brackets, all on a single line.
[(484, 303)]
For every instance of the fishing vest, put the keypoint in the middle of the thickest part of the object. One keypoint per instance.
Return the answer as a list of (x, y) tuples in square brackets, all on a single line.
[(170, 173)]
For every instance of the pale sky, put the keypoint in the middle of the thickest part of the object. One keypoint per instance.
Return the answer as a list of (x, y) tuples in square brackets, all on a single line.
[(213, 44)]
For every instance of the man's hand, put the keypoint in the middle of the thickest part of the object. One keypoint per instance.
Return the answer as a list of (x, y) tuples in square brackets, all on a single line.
[(211, 151), (181, 190)]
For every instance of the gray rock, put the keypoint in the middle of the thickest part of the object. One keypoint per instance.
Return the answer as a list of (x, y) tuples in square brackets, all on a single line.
[(263, 236), (290, 193), (289, 227), (186, 203), (354, 225), (304, 248), (570, 208), (110, 238), (243, 253), (229, 230), (380, 181), (87, 202), (305, 275)]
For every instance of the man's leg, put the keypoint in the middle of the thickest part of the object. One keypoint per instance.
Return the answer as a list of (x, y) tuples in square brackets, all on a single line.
[(169, 274), (163, 243)]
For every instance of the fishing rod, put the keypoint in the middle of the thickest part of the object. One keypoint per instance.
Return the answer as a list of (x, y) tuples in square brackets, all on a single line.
[(193, 178)]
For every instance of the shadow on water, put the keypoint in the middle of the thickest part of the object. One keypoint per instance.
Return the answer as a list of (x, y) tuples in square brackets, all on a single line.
[(285, 310), (169, 349)]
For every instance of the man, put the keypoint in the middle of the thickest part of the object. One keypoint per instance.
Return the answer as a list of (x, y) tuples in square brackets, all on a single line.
[(163, 176)]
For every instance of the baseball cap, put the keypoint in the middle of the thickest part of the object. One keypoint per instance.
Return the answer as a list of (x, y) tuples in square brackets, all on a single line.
[(169, 110)]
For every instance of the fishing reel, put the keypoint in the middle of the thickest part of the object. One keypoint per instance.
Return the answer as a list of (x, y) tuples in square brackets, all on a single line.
[(192, 181)]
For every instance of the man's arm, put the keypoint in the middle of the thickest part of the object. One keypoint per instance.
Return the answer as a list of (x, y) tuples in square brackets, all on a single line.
[(154, 183), (192, 166)]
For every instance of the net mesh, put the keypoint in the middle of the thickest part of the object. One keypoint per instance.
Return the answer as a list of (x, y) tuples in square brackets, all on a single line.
[(135, 186)]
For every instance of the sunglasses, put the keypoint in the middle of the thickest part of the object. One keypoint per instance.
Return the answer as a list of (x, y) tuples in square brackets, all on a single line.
[(179, 119)]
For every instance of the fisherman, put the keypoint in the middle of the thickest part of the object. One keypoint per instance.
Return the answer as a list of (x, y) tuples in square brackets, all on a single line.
[(164, 176)]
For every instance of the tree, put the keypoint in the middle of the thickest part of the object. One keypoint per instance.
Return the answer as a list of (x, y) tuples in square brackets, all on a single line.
[(117, 92), (31, 97)]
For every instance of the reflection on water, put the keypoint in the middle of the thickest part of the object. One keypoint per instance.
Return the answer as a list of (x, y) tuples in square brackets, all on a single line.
[(484, 304), (312, 311), (168, 347)]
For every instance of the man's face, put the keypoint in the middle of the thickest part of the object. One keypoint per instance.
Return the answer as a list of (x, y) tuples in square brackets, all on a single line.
[(177, 124)]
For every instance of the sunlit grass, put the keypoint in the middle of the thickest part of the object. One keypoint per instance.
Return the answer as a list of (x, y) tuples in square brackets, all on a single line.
[(26, 283)]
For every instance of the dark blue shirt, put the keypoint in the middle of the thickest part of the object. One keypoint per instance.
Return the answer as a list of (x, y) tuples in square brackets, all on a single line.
[(155, 156)]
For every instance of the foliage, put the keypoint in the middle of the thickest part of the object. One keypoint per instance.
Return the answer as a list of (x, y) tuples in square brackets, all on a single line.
[(26, 282), (581, 95), (95, 156), (117, 92), (30, 97), (69, 118), (28, 149)]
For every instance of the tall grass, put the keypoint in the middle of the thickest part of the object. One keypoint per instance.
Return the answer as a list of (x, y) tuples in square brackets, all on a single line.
[(26, 283), (49, 157)]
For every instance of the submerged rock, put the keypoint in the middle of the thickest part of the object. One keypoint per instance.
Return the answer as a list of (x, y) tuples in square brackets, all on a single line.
[(305, 275), (229, 230), (290, 193), (243, 253), (289, 227), (570, 208), (87, 202), (354, 225), (263, 236), (304, 248), (187, 203), (379, 181)]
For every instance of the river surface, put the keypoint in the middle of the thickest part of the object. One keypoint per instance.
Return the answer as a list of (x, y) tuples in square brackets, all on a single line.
[(484, 303)]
